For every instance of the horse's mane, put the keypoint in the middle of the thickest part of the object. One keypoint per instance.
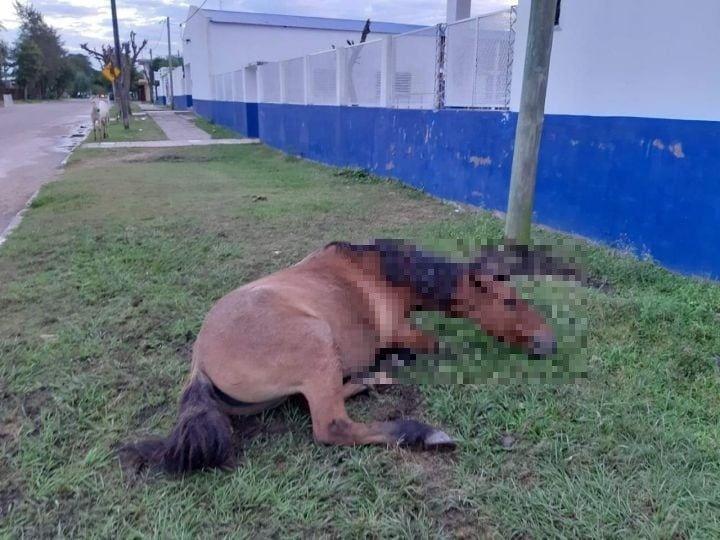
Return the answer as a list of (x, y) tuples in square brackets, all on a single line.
[(433, 278)]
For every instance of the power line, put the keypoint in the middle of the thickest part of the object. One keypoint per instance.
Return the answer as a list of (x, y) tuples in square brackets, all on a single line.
[(162, 33), (193, 13)]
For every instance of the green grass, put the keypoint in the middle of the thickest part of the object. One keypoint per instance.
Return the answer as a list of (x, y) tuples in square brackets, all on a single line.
[(215, 131), (103, 289), (142, 128)]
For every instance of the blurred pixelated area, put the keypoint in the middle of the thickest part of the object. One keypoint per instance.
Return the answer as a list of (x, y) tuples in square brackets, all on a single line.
[(549, 277)]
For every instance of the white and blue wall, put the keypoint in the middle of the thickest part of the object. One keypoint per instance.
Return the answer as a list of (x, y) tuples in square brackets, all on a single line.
[(630, 154), (217, 42)]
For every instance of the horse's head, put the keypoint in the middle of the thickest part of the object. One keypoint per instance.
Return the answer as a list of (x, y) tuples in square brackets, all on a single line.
[(494, 305)]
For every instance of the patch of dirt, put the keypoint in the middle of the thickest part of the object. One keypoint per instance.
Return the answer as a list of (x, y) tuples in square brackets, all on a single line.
[(33, 402), (465, 525), (10, 496), (396, 402), (10, 426), (168, 158)]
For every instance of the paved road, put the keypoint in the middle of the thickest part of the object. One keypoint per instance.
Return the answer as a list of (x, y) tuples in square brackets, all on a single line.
[(34, 141)]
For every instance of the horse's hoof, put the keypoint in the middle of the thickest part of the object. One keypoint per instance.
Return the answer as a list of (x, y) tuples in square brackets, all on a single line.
[(439, 441)]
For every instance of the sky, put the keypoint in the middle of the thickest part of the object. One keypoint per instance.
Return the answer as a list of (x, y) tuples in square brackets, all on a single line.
[(89, 20)]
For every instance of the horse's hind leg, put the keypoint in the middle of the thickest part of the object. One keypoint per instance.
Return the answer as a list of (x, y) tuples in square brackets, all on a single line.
[(351, 389), (326, 395)]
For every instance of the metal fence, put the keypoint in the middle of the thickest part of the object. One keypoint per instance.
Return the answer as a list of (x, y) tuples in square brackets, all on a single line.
[(269, 82), (292, 81), (465, 64), (362, 74), (415, 58), (322, 78), (478, 61)]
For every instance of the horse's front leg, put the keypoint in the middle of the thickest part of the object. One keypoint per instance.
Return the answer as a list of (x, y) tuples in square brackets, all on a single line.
[(405, 336)]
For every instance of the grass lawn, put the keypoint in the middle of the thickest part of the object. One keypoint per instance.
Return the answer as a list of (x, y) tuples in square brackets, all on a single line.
[(103, 289), (215, 131), (142, 128)]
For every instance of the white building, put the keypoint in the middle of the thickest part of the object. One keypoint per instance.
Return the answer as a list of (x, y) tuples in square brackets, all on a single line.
[(183, 96), (216, 42), (636, 58)]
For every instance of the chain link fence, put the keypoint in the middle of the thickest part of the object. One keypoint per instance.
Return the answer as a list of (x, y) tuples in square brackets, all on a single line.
[(415, 68), (293, 80), (465, 64), (322, 73), (269, 82), (478, 61), (362, 77)]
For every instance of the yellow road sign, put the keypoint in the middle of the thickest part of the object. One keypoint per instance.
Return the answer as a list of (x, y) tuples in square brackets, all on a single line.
[(110, 73)]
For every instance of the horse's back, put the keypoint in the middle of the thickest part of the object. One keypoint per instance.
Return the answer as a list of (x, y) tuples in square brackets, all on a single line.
[(260, 339)]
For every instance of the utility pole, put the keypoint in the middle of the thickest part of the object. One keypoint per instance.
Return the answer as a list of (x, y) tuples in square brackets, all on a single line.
[(530, 121), (151, 75), (119, 95), (172, 92)]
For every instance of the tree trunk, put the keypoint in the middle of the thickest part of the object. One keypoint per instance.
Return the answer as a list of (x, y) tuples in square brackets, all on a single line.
[(125, 85)]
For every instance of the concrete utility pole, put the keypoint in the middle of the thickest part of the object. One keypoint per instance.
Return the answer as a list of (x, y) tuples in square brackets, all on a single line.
[(172, 92), (119, 96), (530, 121)]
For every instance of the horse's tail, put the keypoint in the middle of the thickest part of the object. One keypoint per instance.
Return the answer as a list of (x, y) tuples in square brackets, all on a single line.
[(201, 438)]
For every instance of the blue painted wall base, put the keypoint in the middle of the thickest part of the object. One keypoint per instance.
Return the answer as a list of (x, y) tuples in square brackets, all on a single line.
[(182, 103), (647, 184), (240, 117)]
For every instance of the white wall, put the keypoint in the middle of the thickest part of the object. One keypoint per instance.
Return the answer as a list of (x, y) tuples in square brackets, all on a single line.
[(178, 81), (646, 58), (216, 48), (197, 55), (161, 77)]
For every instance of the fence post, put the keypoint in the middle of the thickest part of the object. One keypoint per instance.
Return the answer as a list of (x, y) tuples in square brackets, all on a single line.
[(243, 95), (440, 68), (307, 81), (340, 75), (387, 72)]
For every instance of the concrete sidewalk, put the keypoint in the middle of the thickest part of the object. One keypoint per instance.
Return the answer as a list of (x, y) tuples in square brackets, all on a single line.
[(169, 143), (179, 129), (178, 126)]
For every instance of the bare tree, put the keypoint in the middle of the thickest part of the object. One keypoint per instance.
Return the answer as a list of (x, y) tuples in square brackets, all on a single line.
[(129, 53)]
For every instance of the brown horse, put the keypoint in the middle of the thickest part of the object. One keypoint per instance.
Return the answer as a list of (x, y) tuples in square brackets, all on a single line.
[(307, 328)]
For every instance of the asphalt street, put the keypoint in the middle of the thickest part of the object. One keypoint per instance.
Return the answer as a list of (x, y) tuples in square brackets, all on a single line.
[(34, 140)]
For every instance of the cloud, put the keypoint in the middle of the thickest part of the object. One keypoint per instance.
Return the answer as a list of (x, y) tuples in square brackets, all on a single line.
[(91, 21)]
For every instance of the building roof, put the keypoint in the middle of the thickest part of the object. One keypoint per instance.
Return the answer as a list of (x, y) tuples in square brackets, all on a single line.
[(297, 21)]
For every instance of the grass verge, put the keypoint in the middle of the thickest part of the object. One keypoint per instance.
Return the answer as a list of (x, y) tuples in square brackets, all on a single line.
[(142, 127), (103, 289), (215, 131)]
